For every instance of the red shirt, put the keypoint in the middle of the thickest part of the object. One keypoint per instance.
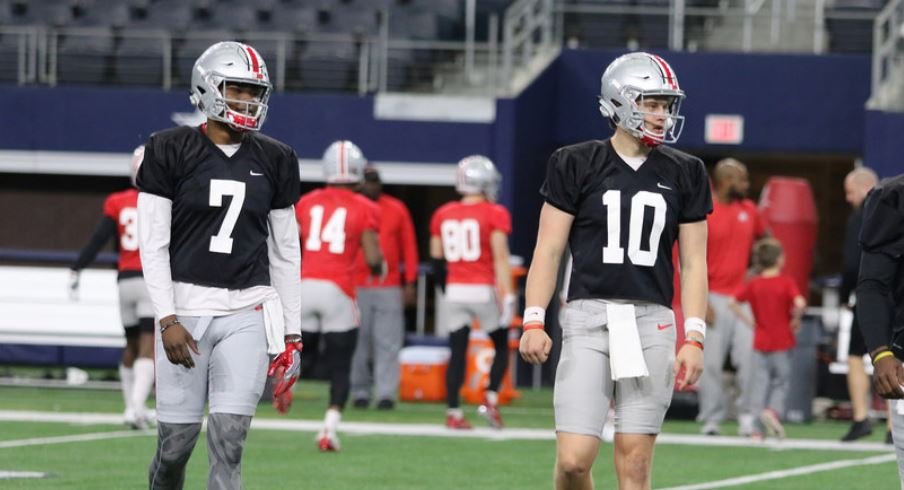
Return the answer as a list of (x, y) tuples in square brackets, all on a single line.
[(331, 222), (122, 207), (771, 299), (397, 241), (732, 229), (465, 229)]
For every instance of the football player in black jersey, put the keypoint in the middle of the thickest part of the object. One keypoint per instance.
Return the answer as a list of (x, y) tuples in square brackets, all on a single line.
[(620, 205), (219, 245), (880, 296)]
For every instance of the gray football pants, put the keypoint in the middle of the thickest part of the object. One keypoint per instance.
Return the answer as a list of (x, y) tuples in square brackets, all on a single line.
[(727, 334), (380, 338), (897, 429), (771, 373)]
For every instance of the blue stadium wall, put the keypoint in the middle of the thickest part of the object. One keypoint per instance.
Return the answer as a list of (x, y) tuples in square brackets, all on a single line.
[(791, 104)]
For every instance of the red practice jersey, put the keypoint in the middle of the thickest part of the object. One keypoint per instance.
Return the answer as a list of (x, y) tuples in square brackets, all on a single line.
[(122, 207), (732, 229), (771, 299), (331, 222), (465, 229), (398, 243)]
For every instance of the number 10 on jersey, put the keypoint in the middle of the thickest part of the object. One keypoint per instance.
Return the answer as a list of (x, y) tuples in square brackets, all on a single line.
[(613, 252)]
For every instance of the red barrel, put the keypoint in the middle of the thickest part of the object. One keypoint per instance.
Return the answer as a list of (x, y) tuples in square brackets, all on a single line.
[(788, 206)]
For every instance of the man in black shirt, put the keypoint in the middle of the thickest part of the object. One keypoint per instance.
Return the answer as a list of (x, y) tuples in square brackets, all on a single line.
[(620, 204), (219, 246), (880, 295), (856, 185)]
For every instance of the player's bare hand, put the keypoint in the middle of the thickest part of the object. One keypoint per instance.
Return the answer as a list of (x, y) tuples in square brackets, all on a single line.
[(688, 366), (179, 344), (888, 376), (535, 346)]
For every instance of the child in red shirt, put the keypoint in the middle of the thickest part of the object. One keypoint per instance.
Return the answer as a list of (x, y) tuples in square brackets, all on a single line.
[(777, 307)]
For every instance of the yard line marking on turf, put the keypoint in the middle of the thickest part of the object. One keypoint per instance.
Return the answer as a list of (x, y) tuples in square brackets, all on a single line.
[(12, 475), (775, 475), (96, 436), (438, 430)]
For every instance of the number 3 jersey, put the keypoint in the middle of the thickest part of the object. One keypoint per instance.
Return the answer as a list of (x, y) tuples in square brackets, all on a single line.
[(220, 204), (625, 220), (122, 208), (464, 230), (331, 221)]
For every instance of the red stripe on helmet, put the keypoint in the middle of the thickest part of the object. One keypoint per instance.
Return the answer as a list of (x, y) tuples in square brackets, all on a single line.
[(666, 72), (255, 64), (343, 170)]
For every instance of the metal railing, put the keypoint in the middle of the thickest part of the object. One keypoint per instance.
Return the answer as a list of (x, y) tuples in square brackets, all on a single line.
[(888, 70)]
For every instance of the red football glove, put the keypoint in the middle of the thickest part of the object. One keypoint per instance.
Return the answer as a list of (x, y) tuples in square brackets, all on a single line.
[(286, 366), (282, 403)]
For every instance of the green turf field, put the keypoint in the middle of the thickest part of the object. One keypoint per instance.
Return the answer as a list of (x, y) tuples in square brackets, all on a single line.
[(106, 456)]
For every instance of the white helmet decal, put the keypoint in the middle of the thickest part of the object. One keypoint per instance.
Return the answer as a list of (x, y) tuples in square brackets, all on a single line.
[(224, 63), (627, 81), (343, 163)]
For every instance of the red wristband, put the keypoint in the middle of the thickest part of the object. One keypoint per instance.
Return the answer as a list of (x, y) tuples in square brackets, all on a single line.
[(695, 343), (534, 326)]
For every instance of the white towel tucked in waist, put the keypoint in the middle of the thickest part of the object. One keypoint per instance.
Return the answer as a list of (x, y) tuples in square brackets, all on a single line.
[(275, 325), (625, 352)]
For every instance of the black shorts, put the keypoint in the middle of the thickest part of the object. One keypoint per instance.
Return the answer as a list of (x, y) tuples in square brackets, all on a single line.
[(857, 346)]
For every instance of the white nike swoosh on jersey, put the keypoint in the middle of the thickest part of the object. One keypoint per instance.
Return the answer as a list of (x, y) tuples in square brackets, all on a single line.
[(255, 173), (663, 186)]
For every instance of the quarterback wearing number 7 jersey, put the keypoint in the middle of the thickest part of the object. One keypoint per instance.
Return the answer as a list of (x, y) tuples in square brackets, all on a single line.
[(219, 246), (335, 224)]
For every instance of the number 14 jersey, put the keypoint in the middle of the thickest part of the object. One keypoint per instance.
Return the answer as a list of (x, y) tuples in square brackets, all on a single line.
[(625, 220), (331, 222)]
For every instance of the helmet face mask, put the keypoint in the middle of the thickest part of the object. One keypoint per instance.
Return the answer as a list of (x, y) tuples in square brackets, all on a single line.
[(230, 84), (477, 174), (628, 84)]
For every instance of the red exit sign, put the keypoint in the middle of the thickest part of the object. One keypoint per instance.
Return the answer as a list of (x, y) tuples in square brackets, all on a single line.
[(723, 129)]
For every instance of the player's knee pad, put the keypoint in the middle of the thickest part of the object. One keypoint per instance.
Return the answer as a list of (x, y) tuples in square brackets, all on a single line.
[(341, 345), (175, 443), (309, 354), (133, 332), (226, 433), (458, 340)]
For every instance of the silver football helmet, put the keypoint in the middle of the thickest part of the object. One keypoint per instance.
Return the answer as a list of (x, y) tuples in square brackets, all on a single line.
[(343, 163), (137, 158), (224, 63), (624, 85), (476, 174)]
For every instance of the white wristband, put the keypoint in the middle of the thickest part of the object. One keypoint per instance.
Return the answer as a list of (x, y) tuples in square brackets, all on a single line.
[(534, 314), (694, 324)]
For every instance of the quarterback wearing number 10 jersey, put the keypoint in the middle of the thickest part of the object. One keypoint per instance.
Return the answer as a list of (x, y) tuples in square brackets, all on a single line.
[(625, 220)]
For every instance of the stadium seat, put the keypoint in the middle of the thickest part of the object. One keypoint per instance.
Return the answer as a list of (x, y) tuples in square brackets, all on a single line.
[(139, 61), (109, 13), (412, 24), (85, 57), (48, 13), (329, 65), (173, 15), (362, 21), (294, 19), (234, 17)]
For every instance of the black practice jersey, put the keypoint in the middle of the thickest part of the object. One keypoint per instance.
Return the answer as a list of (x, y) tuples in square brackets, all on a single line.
[(220, 204), (625, 221), (880, 290)]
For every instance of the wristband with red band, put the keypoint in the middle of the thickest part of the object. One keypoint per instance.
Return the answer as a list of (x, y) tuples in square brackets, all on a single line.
[(695, 343), (534, 326)]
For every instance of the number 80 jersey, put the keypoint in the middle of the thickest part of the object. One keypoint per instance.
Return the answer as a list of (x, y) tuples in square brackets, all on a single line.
[(464, 230), (625, 220)]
